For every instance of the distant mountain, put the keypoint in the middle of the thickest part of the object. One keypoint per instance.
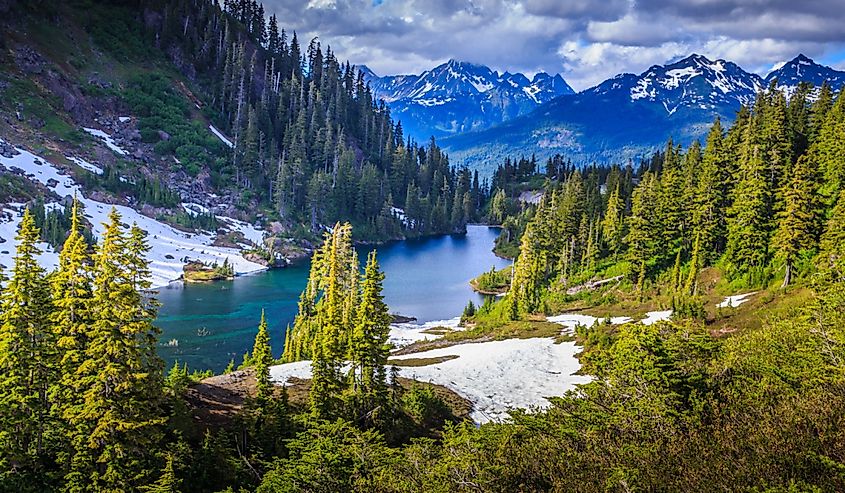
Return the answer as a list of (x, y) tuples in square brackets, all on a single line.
[(630, 115), (803, 69), (458, 97)]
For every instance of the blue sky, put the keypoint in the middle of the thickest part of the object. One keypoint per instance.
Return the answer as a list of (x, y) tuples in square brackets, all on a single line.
[(586, 41)]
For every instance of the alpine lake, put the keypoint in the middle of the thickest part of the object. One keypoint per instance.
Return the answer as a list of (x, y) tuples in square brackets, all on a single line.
[(207, 325)]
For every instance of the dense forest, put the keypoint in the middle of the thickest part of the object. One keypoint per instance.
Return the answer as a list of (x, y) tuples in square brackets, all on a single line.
[(308, 137), (760, 200)]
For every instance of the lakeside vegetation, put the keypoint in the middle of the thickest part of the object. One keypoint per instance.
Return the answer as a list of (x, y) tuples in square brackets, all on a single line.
[(200, 272)]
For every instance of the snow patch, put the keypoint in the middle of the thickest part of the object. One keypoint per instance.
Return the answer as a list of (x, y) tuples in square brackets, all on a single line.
[(495, 376), (408, 333), (736, 300), (107, 139), (220, 136), (654, 317), (572, 320), (93, 168), (193, 209)]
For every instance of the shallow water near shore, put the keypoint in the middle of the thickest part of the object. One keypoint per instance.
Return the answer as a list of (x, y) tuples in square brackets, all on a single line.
[(426, 278)]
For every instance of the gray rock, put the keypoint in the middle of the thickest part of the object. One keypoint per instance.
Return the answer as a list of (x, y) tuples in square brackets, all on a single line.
[(7, 150)]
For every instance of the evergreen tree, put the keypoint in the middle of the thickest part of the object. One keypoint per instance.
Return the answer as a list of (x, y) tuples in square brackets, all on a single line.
[(642, 226), (28, 363), (612, 226), (831, 258), (167, 482), (749, 221), (262, 359), (120, 378), (796, 221), (369, 350), (709, 200), (71, 321)]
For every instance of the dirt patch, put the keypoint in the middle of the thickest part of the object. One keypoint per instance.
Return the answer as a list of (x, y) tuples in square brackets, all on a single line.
[(216, 401), (416, 362)]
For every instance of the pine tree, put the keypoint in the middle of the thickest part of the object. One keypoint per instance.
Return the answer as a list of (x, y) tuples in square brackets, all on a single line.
[(529, 274), (369, 351), (612, 225), (797, 220), (262, 359), (749, 221), (642, 227), (676, 272), (120, 378), (168, 482), (831, 259), (691, 285), (27, 360), (71, 321), (708, 205)]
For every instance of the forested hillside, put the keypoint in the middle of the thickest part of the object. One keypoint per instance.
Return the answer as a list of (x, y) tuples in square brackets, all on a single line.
[(218, 106), (758, 201)]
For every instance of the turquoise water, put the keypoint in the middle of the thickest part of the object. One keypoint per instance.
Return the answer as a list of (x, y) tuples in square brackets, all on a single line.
[(425, 278)]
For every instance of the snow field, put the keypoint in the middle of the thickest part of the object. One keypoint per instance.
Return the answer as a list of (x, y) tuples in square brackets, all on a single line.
[(170, 248)]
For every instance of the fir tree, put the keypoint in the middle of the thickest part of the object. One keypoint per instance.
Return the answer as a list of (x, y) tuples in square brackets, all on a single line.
[(749, 221), (797, 220), (168, 482), (71, 321), (28, 361), (369, 351), (262, 359), (612, 226), (831, 259), (120, 378)]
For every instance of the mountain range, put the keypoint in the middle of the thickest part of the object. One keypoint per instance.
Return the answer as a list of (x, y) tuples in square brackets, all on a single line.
[(622, 118), (458, 97)]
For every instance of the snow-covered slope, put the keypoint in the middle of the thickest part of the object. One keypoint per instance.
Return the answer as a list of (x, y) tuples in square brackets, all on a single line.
[(459, 96), (170, 248)]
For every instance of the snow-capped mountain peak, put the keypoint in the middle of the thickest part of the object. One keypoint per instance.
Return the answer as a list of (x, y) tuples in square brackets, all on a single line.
[(460, 96), (804, 69), (694, 81)]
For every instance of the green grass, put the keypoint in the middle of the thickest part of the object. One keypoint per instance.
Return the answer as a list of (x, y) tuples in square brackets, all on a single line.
[(14, 188), (39, 107)]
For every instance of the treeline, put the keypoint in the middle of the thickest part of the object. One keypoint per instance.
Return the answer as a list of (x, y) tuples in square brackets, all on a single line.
[(760, 200), (309, 140)]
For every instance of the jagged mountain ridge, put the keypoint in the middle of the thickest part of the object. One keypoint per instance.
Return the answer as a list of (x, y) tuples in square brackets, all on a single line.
[(459, 97), (629, 116)]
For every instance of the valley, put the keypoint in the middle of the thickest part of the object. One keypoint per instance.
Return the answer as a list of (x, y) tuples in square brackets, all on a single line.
[(234, 258)]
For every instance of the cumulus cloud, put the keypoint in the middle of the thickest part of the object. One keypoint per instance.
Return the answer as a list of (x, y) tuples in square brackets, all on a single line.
[(586, 41)]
